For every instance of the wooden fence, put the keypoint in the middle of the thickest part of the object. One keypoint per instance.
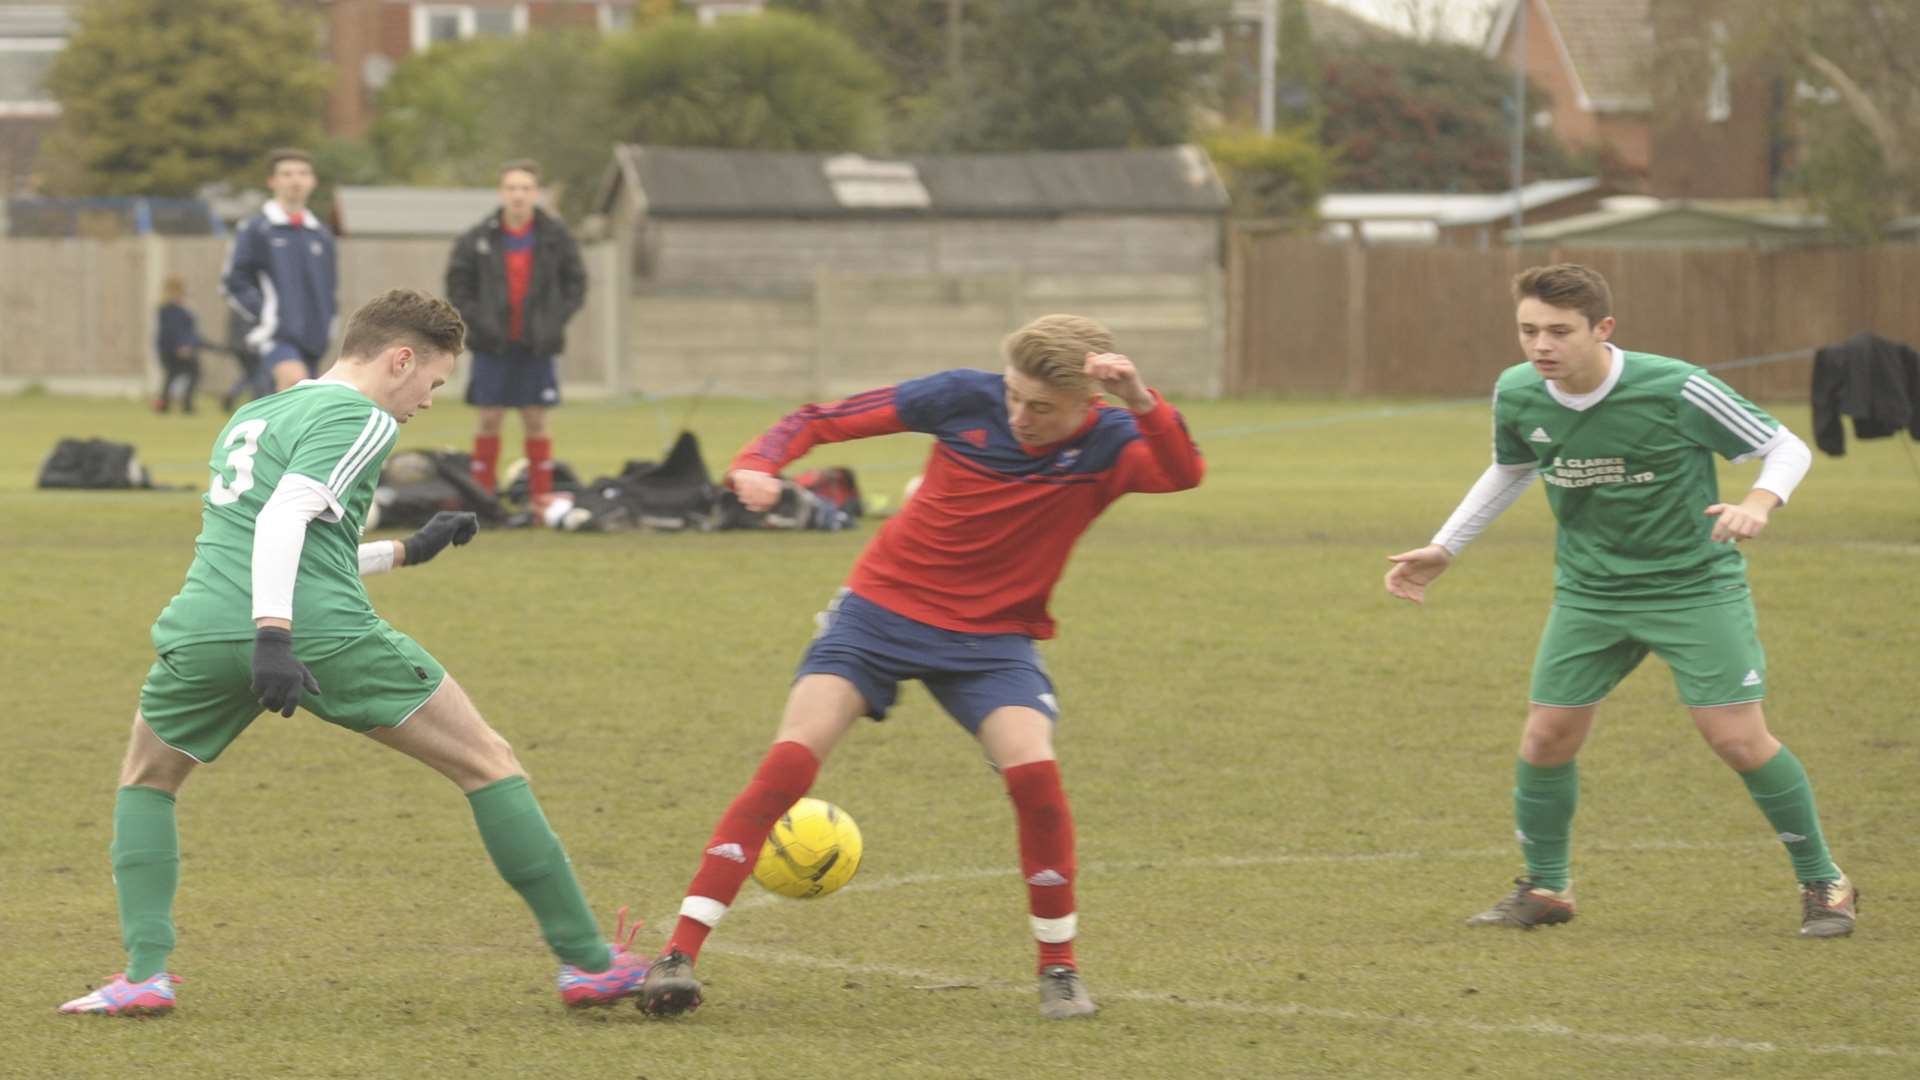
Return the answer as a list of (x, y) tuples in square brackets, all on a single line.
[(1312, 317), (78, 314)]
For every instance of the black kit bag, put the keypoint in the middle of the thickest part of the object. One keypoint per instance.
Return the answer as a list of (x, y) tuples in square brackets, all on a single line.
[(417, 484), (93, 464)]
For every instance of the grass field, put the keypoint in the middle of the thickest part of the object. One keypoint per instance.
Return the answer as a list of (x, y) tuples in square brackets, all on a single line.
[(1289, 790)]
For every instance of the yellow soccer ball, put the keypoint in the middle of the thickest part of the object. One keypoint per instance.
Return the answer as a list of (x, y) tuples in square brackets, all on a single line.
[(813, 850)]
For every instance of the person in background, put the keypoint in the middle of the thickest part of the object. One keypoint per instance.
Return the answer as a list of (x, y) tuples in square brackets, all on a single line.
[(516, 278), (177, 341), (282, 276)]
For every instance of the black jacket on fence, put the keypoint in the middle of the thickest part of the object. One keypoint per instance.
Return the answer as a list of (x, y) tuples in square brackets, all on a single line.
[(477, 286), (1873, 380)]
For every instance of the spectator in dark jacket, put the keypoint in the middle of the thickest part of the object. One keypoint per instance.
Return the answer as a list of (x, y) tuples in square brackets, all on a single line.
[(281, 275), (516, 278), (177, 341)]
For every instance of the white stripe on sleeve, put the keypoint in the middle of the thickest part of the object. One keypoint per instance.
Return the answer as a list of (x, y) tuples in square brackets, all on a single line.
[(1711, 400), (374, 438), (359, 446)]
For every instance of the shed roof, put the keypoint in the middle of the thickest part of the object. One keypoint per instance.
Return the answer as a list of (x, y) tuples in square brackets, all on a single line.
[(1444, 208), (680, 181)]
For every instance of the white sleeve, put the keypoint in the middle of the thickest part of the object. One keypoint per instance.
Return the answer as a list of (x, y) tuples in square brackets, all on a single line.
[(1487, 499), (1784, 463), (376, 558), (279, 534)]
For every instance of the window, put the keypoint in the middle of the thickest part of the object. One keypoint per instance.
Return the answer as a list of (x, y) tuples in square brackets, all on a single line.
[(615, 16), (712, 11), (437, 23), (24, 63)]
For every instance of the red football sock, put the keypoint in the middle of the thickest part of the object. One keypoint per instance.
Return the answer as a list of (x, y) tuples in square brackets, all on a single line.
[(785, 774), (1046, 856), (486, 456), (539, 466)]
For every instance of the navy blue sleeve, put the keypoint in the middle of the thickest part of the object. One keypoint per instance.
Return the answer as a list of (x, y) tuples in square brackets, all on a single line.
[(246, 261)]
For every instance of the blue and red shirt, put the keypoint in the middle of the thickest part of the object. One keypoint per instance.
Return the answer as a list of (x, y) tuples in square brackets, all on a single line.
[(516, 251), (981, 545)]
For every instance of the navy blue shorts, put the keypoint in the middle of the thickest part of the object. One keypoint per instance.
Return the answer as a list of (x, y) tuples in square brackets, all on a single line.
[(514, 379), (283, 352), (969, 674)]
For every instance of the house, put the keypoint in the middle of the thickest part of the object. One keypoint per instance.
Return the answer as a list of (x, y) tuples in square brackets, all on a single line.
[(367, 39), (1648, 83), (31, 34), (1479, 221), (748, 218)]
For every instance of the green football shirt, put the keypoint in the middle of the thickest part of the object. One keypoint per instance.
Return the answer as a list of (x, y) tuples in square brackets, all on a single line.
[(1630, 473), (327, 432)]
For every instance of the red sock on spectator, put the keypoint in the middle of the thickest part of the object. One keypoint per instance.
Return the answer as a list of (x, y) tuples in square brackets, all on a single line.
[(785, 774), (486, 457), (1046, 856), (539, 466)]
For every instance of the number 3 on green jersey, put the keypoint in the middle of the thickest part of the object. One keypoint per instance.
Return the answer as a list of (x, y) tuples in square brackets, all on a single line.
[(247, 433)]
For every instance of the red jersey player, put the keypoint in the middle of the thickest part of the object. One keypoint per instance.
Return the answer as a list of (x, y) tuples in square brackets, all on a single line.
[(953, 592)]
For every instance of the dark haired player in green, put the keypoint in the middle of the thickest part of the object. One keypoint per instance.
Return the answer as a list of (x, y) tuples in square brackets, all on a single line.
[(1644, 562), (273, 615)]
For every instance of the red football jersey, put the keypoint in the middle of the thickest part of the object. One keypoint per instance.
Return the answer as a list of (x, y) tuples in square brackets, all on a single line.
[(981, 545)]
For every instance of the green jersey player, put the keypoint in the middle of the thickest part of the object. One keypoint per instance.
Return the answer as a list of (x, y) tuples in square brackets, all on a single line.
[(273, 615), (1644, 562)]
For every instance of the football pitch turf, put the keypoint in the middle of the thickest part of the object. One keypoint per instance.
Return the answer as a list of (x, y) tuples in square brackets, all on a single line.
[(1289, 790)]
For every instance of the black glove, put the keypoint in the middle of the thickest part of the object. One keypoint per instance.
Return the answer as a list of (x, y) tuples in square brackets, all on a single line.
[(447, 527), (278, 676)]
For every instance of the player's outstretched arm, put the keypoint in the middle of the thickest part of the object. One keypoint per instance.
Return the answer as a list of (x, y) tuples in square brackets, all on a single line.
[(1414, 570), (1486, 500), (454, 527)]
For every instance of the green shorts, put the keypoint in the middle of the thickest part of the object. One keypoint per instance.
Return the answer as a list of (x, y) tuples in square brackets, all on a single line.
[(1714, 653), (198, 698)]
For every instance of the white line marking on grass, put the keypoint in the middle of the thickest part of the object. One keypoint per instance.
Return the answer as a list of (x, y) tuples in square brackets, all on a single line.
[(920, 978)]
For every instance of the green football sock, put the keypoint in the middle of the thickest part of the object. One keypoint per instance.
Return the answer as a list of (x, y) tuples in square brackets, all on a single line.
[(146, 871), (1781, 790), (1543, 800), (530, 858)]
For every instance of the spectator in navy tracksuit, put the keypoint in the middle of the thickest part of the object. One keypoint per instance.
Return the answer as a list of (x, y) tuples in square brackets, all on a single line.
[(177, 340), (516, 278), (281, 276)]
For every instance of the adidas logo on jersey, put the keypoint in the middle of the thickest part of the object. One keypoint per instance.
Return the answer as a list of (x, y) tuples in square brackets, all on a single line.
[(728, 851), (1752, 679), (1539, 435), (1048, 876)]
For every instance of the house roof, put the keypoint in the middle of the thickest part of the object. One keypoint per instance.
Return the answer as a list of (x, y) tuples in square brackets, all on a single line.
[(686, 182), (1441, 210), (1694, 223), (411, 211), (1607, 46)]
